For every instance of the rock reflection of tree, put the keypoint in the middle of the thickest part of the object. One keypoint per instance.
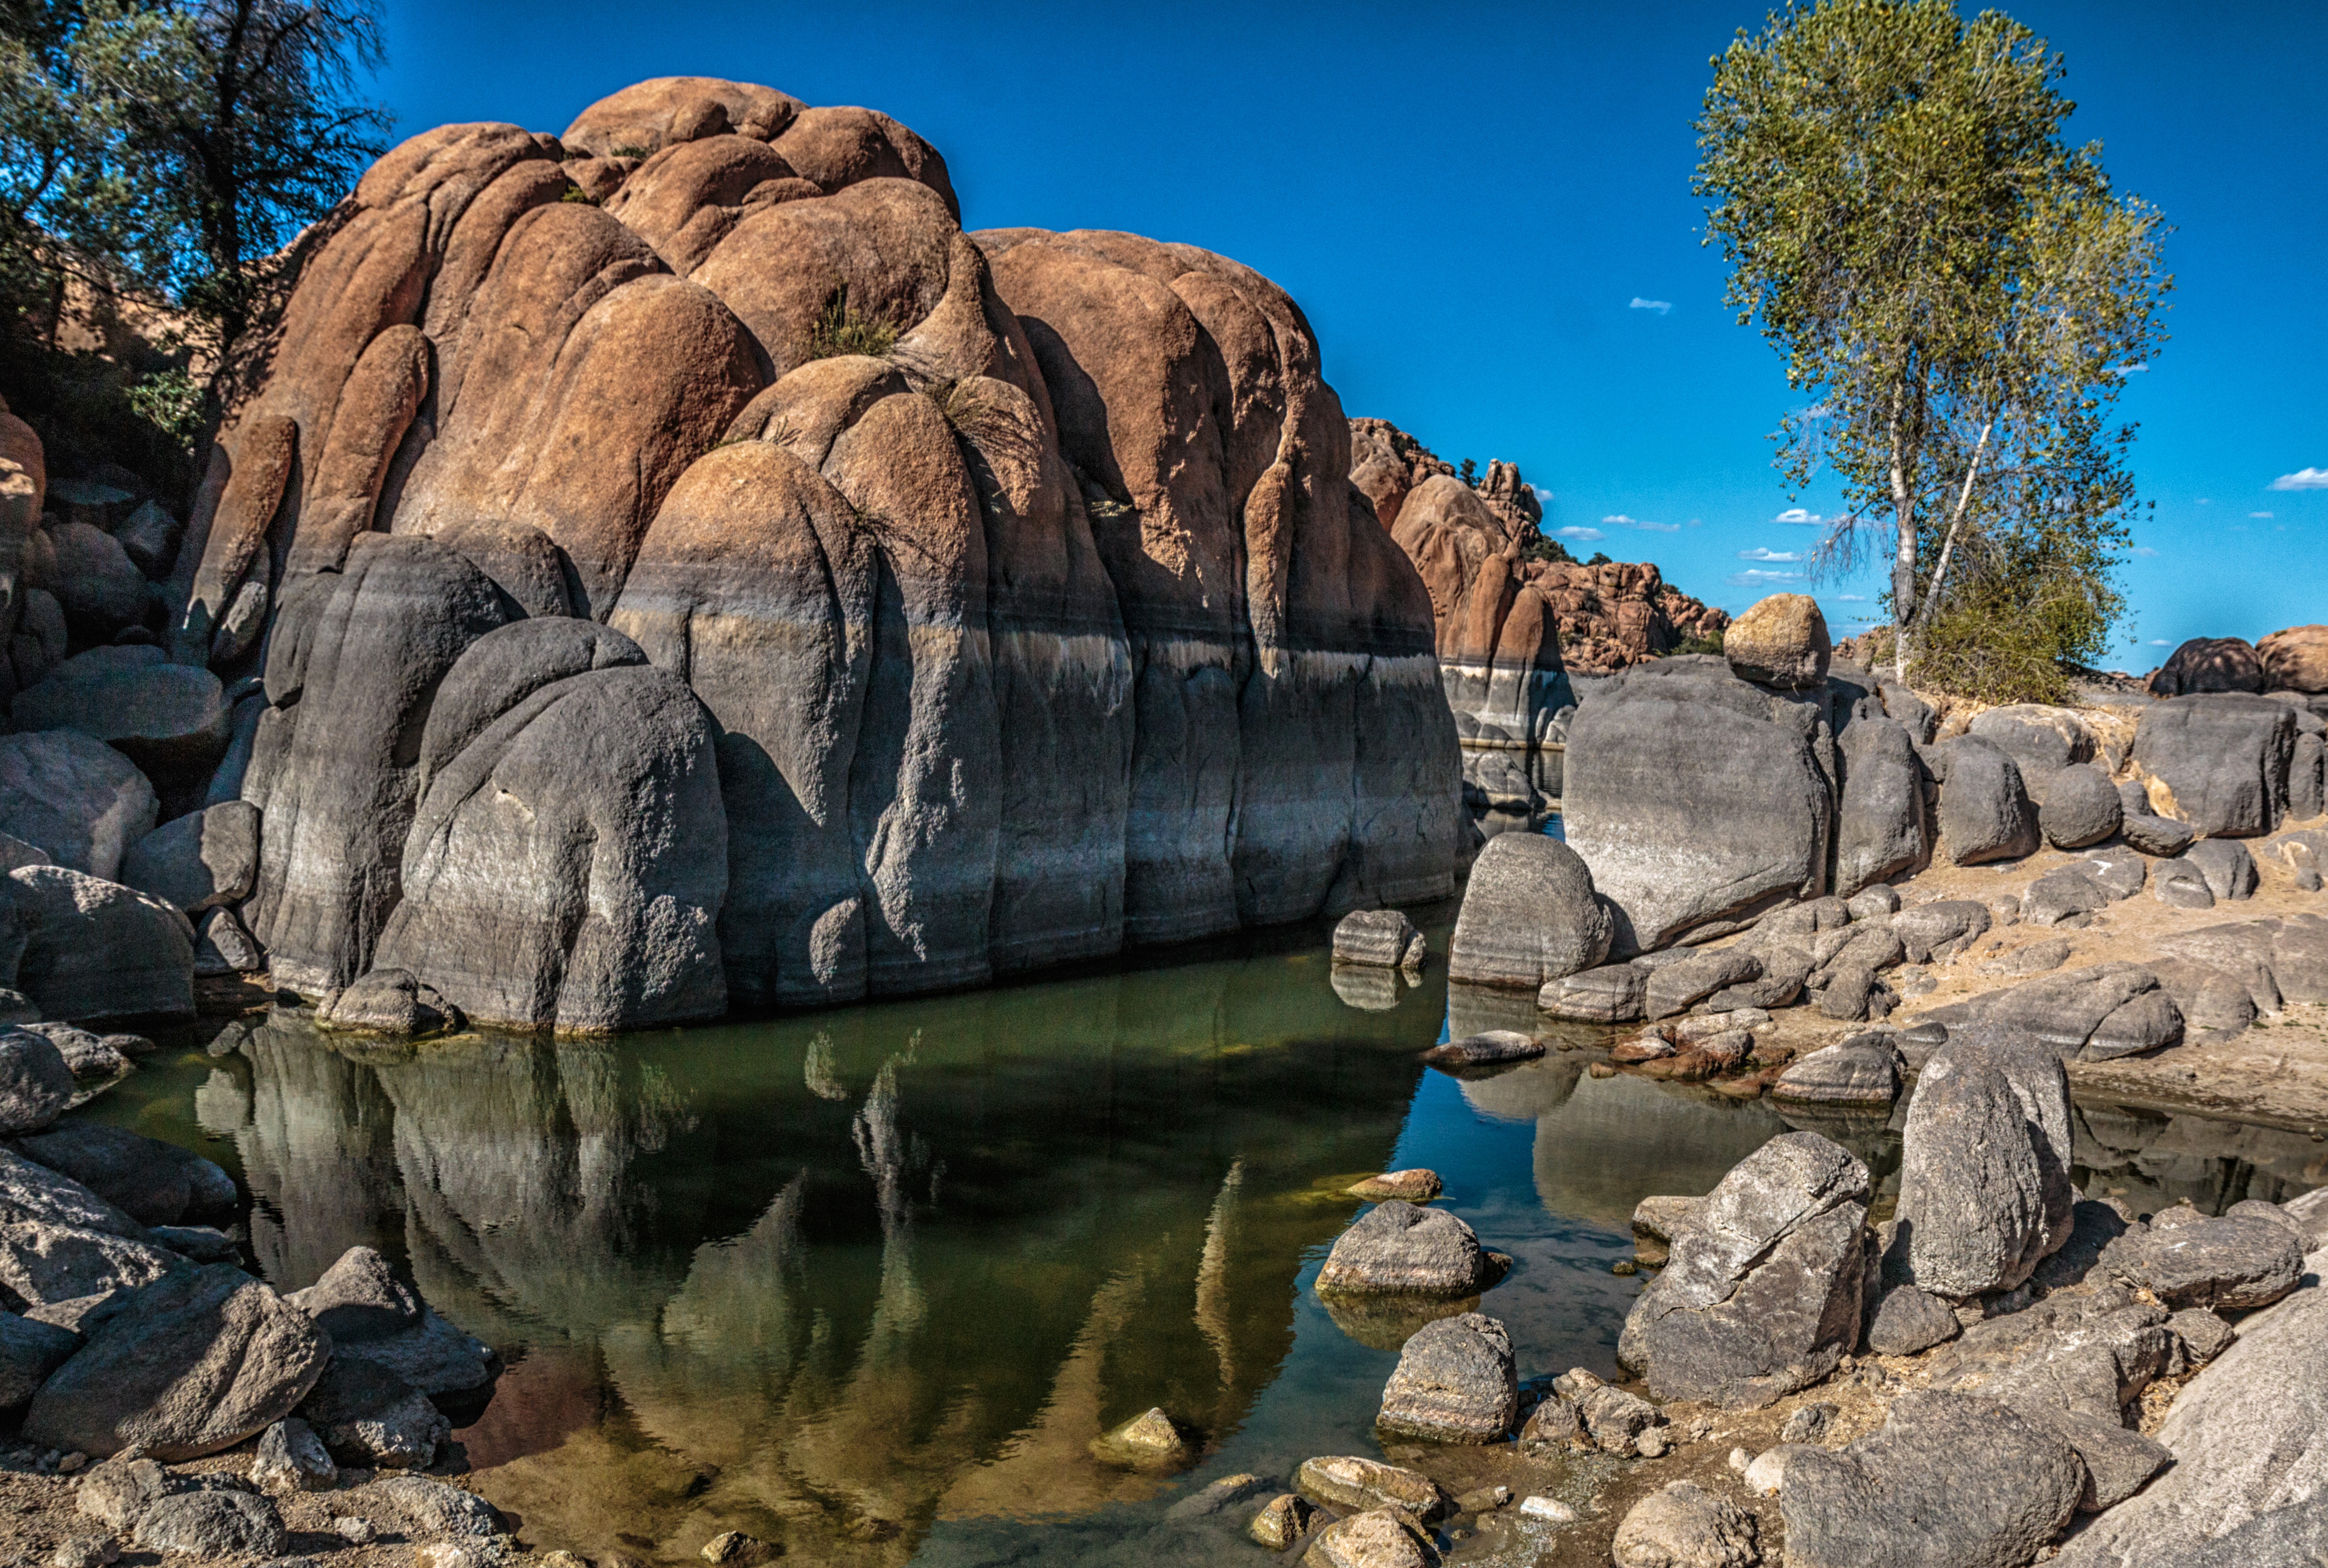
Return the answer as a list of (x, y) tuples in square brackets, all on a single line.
[(1213, 1271)]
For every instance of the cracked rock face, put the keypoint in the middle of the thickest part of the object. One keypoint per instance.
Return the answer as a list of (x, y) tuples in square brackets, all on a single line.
[(1005, 596), (1763, 1292)]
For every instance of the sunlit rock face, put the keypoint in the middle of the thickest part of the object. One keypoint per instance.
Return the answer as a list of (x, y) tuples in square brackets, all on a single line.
[(1017, 578)]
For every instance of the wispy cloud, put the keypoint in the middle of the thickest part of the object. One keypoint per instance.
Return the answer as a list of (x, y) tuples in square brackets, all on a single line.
[(1582, 535), (1850, 598), (2260, 516), (2206, 500), (1761, 553), (2303, 479), (1660, 306), (1542, 493), (2137, 368), (1622, 521), (2144, 551), (2160, 643), (1755, 578), (1796, 516)]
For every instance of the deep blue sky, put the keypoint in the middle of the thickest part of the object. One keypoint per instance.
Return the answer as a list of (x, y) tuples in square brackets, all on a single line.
[(1468, 199)]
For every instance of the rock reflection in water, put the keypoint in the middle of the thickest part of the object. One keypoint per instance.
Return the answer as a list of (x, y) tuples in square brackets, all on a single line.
[(832, 1282)]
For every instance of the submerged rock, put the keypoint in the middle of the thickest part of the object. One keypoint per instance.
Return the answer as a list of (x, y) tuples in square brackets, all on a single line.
[(1384, 938), (1353, 1483)]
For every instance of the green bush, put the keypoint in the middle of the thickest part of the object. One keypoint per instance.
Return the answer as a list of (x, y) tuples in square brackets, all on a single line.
[(840, 330)]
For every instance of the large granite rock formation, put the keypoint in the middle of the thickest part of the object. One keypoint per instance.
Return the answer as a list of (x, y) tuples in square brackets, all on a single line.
[(1006, 595)]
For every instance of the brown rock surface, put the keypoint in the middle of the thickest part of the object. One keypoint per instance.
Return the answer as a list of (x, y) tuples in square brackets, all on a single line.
[(2296, 659), (1781, 641), (2208, 664), (1021, 574)]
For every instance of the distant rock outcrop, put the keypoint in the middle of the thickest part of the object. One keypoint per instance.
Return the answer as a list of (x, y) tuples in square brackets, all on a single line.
[(1513, 613)]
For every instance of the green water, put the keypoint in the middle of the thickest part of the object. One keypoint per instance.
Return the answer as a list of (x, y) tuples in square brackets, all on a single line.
[(869, 1282)]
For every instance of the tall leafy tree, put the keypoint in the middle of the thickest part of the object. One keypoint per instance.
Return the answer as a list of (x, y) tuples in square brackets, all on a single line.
[(172, 146), (1959, 291)]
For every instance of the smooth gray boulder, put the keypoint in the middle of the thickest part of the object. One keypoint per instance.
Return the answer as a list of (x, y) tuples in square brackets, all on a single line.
[(149, 538), (1937, 932), (1676, 987), (2299, 961), (98, 588), (432, 1356), (151, 1181), (1529, 916), (2307, 777), (2215, 1006), (2232, 1264), (1985, 814), (366, 1416), (2218, 762), (389, 1001), (360, 1298), (171, 719), (1683, 1526), (1697, 800), (200, 861), (292, 1459), (97, 950), (1611, 994), (197, 1362), (29, 1351), (2155, 835), (355, 663), (1485, 1050), (1403, 1249), (1882, 829), (62, 1243), (218, 1524), (2093, 1014), (222, 947), (2181, 885), (2249, 1437), (567, 866), (439, 1509), (2043, 742), (2069, 893), (2121, 872), (1861, 1070), (1454, 1383), (1949, 1481), (2088, 1353), (1907, 1320), (75, 798), (2080, 807), (1985, 1190), (2118, 1462), (1379, 938), (36, 1083), (1762, 1293), (2229, 870)]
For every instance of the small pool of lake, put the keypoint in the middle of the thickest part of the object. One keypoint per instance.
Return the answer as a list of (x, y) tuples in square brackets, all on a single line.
[(869, 1282)]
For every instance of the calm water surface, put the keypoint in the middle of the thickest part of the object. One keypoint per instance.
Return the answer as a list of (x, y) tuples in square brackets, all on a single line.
[(869, 1282)]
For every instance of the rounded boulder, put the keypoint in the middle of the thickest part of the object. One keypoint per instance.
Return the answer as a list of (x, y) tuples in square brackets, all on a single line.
[(2081, 807), (2296, 659), (1529, 916), (1781, 641)]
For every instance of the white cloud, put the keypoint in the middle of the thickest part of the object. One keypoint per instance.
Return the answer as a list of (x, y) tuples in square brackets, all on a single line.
[(1582, 535), (1622, 521), (2303, 479), (1760, 553), (1798, 516), (1660, 306), (2137, 368), (2260, 516), (1542, 493), (2206, 500), (2160, 643), (1755, 578), (1850, 598), (2144, 551)]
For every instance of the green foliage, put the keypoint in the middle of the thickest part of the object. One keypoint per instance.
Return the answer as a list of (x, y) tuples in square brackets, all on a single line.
[(1470, 474), (2016, 627), (627, 151), (169, 401), (1541, 548), (167, 149), (1958, 288), (1709, 644), (1599, 559), (575, 193), (840, 330)]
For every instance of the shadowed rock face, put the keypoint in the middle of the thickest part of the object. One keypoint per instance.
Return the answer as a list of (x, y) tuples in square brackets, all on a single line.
[(1018, 576)]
